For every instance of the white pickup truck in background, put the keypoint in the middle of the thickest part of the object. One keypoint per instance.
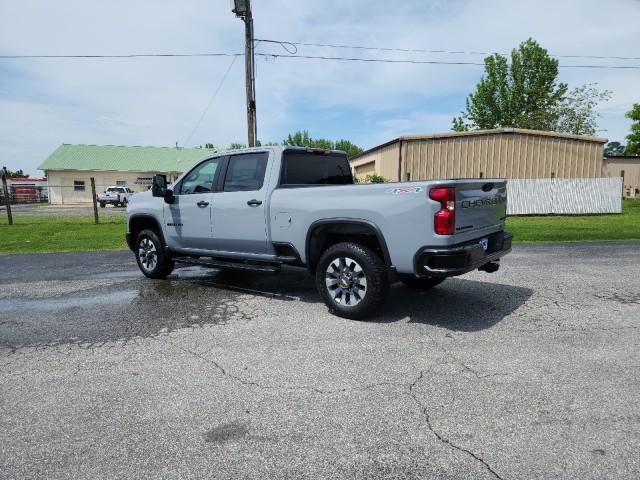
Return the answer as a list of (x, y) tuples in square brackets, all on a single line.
[(116, 196)]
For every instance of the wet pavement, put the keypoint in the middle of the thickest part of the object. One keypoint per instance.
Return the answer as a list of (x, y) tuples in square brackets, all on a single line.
[(531, 372)]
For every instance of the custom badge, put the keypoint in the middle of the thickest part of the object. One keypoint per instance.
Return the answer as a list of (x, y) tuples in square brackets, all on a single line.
[(403, 190)]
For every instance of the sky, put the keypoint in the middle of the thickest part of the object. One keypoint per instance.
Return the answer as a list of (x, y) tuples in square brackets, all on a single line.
[(158, 101)]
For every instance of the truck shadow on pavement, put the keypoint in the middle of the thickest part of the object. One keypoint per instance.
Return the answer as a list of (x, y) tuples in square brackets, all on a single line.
[(194, 298), (457, 304)]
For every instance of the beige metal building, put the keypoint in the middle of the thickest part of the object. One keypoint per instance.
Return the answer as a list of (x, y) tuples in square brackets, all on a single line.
[(628, 168), (502, 153)]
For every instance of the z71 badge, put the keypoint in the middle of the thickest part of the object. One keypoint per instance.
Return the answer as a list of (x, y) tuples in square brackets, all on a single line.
[(402, 190)]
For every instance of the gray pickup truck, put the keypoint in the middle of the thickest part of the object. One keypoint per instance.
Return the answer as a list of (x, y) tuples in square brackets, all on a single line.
[(261, 208)]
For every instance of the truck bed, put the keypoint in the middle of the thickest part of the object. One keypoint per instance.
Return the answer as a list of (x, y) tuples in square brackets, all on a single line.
[(403, 211)]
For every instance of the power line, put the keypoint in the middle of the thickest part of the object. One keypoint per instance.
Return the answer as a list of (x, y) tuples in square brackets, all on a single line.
[(130, 55), (428, 62), (312, 57), (287, 45), (215, 93)]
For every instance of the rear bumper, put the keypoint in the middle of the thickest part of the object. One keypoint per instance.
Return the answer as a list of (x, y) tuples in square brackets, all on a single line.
[(459, 259)]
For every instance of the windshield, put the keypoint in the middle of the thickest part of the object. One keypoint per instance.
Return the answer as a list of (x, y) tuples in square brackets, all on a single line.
[(314, 168)]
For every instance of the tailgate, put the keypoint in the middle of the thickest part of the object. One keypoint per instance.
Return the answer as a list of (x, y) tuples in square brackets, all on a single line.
[(481, 208)]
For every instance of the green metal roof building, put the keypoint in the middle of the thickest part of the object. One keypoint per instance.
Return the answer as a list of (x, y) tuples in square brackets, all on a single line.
[(70, 168)]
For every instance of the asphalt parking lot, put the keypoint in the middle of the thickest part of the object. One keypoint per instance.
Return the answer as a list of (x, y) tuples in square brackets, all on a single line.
[(531, 372)]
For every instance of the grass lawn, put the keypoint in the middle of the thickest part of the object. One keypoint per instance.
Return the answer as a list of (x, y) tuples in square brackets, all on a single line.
[(625, 226), (50, 233)]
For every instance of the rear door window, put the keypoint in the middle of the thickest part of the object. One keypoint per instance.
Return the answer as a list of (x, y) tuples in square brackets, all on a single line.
[(246, 172)]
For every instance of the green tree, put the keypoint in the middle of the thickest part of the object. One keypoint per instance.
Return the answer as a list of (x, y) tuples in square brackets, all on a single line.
[(209, 146), (524, 93), (237, 146), (348, 147), (576, 112), (16, 174), (303, 139), (298, 139), (633, 145), (612, 149)]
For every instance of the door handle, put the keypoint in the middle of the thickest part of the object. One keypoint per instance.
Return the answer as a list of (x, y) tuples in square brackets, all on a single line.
[(254, 203), (202, 203)]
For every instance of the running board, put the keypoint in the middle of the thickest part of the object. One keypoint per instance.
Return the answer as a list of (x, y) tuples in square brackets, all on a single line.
[(213, 263)]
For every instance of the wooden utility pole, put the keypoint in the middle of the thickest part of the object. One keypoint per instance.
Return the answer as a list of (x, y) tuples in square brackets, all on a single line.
[(95, 200), (242, 9), (5, 189)]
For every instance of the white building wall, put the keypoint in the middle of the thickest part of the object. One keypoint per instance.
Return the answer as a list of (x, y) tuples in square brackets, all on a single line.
[(62, 190)]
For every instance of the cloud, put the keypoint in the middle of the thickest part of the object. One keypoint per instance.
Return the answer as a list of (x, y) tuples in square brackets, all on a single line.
[(158, 101)]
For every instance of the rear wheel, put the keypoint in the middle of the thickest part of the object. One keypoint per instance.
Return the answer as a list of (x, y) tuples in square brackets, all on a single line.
[(423, 283), (352, 280), (152, 259)]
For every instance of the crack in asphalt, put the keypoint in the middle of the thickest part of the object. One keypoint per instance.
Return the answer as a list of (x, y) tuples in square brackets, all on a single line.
[(438, 435), (311, 388), (411, 393)]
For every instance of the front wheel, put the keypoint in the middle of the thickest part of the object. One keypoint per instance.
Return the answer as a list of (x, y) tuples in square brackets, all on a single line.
[(102, 204), (152, 259), (352, 280)]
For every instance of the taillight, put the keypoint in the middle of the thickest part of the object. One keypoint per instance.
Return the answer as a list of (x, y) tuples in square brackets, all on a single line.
[(444, 221)]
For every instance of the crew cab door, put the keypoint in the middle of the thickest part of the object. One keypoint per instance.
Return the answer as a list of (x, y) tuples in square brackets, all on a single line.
[(188, 221), (239, 207)]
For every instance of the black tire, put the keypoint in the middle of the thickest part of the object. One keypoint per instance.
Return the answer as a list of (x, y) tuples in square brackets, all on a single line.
[(367, 298), (154, 262), (102, 204), (422, 283)]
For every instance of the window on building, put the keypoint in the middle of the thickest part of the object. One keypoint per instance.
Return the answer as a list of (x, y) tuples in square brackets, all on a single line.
[(121, 183), (246, 172), (78, 185)]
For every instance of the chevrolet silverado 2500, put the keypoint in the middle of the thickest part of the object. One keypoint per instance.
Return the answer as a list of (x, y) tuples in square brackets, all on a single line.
[(262, 208)]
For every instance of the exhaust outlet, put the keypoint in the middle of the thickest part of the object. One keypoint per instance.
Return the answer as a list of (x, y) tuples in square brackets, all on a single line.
[(490, 267)]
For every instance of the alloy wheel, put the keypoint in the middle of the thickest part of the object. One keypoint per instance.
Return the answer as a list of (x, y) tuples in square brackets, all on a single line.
[(147, 254), (346, 281)]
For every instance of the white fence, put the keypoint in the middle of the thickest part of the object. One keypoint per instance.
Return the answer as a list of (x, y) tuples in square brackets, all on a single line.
[(564, 196)]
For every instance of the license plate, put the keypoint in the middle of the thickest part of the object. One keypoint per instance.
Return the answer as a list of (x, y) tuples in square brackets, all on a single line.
[(485, 243)]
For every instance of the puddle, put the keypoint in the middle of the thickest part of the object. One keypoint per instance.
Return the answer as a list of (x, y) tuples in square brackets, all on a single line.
[(63, 303), (117, 274)]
